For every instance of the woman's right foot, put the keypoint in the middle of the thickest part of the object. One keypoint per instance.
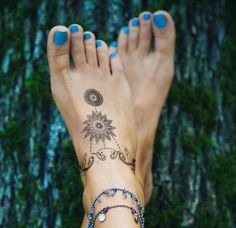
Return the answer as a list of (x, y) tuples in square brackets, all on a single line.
[(149, 73), (94, 100)]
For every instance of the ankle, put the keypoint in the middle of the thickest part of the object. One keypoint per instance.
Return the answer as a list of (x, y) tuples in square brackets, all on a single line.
[(118, 193), (125, 178)]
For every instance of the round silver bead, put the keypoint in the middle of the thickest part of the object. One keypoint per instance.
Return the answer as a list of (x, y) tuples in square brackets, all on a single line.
[(102, 217)]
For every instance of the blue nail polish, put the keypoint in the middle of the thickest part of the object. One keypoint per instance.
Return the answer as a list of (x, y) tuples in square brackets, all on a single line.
[(160, 21), (113, 44), (60, 37), (126, 30), (113, 55), (146, 16), (74, 28), (135, 22), (87, 36), (98, 43)]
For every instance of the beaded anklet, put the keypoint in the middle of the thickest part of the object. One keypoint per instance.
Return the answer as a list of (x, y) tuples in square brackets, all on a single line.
[(110, 193), (101, 215)]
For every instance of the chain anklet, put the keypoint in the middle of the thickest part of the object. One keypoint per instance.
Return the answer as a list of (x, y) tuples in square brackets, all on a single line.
[(101, 215), (110, 193)]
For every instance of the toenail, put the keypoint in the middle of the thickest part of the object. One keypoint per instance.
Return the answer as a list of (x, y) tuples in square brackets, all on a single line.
[(113, 55), (60, 37), (98, 43), (126, 30), (87, 36), (74, 28), (160, 21), (135, 22), (146, 16), (113, 44)]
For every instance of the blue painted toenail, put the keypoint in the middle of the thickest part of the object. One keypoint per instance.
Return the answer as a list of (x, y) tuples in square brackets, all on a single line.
[(113, 44), (60, 37), (135, 22), (74, 28), (87, 36), (146, 16), (125, 30), (113, 55), (98, 43), (160, 21)]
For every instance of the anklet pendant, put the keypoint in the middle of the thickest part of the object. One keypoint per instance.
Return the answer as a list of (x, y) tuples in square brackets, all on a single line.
[(124, 193), (102, 217)]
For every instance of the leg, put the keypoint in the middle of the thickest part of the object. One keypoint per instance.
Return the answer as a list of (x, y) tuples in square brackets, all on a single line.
[(94, 100), (149, 73)]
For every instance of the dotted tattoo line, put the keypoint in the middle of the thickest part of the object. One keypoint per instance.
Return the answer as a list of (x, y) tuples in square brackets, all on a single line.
[(99, 128)]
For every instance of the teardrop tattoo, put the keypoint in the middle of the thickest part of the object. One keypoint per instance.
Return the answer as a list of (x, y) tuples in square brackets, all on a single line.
[(98, 128)]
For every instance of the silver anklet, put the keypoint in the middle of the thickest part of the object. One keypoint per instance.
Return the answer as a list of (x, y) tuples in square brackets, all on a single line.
[(110, 193), (101, 215)]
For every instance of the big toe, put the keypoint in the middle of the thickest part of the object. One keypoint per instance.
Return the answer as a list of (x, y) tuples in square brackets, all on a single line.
[(164, 32), (58, 49)]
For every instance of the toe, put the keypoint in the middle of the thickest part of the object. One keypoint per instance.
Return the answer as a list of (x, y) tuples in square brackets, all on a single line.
[(90, 49), (102, 55), (58, 49), (133, 34), (164, 31), (145, 32), (113, 47), (77, 45), (115, 64), (123, 41)]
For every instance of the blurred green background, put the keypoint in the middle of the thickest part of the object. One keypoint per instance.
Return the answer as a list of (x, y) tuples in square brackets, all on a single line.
[(194, 164)]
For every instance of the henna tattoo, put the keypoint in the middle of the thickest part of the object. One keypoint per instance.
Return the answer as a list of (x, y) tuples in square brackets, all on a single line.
[(99, 128), (93, 97), (125, 157), (100, 156), (87, 163), (114, 154)]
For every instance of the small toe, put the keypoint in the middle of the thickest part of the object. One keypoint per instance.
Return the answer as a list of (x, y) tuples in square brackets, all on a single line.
[(145, 32), (123, 41), (164, 32), (102, 55), (113, 47), (58, 49), (115, 64), (77, 45), (133, 34), (90, 49)]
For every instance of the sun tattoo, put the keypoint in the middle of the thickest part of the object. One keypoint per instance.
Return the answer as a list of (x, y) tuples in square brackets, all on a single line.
[(98, 128)]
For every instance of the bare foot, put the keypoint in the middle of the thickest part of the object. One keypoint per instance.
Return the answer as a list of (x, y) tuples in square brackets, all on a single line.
[(149, 73), (94, 100)]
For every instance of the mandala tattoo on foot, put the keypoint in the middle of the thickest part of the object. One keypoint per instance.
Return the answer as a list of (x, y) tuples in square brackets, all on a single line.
[(93, 97), (98, 128)]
